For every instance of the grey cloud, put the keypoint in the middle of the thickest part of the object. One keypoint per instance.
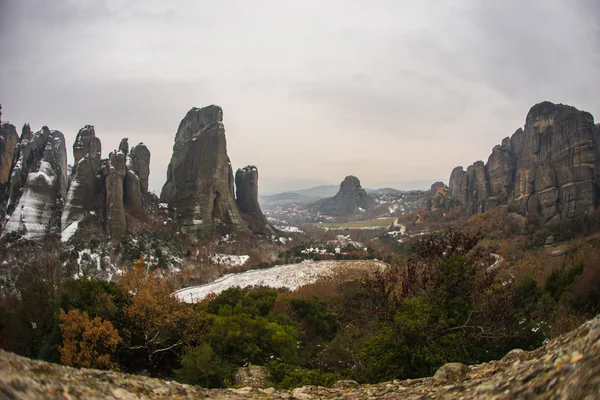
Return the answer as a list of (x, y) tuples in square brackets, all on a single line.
[(311, 90)]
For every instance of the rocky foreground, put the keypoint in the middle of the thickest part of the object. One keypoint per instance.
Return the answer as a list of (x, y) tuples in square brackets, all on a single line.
[(565, 368)]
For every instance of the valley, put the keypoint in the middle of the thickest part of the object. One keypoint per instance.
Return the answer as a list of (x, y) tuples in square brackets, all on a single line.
[(312, 287)]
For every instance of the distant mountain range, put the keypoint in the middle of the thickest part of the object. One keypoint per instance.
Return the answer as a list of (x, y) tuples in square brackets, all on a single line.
[(319, 192), (313, 194)]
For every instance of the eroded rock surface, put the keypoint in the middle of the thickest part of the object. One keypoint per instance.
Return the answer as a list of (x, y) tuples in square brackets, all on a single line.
[(566, 368), (200, 177), (37, 184), (351, 198), (548, 169)]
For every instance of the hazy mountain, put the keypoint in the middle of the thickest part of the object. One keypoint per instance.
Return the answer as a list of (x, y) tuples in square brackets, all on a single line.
[(288, 197), (383, 191)]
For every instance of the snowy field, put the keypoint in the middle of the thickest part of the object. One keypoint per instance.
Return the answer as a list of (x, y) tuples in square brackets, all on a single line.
[(290, 276)]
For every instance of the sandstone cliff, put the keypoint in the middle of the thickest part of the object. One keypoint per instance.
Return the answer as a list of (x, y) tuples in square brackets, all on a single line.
[(350, 199), (548, 169), (200, 179), (565, 368), (38, 183), (246, 196)]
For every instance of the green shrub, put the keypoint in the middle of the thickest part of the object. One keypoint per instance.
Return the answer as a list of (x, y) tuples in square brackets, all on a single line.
[(202, 366), (288, 376)]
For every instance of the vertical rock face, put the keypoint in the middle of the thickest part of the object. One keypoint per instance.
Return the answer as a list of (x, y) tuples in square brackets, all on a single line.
[(548, 169), (84, 183), (200, 178), (558, 165), (132, 194), (246, 191), (457, 185), (501, 167), (139, 162), (116, 169), (8, 141), (38, 183), (349, 199)]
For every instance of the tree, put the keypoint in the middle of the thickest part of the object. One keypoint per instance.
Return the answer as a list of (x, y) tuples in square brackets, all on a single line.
[(201, 366), (157, 322), (88, 343)]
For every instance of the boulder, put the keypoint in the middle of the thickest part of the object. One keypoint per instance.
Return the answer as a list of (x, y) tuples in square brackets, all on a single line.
[(253, 376), (450, 373), (38, 183), (85, 184), (200, 179), (246, 190)]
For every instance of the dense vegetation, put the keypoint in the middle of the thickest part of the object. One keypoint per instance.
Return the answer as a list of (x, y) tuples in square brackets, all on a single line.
[(444, 305)]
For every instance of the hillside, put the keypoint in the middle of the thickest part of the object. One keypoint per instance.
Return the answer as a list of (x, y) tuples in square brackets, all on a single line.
[(566, 367)]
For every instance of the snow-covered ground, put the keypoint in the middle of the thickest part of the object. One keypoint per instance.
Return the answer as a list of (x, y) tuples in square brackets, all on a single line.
[(229, 260), (291, 229), (290, 276)]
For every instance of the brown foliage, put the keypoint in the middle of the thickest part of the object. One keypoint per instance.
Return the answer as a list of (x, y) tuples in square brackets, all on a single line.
[(422, 267), (159, 322), (87, 342)]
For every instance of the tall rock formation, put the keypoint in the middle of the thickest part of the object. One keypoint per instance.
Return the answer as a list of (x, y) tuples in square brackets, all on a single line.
[(437, 197), (200, 177), (457, 185), (135, 184), (114, 175), (139, 162), (8, 141), (246, 191), (351, 198), (123, 186), (38, 183), (548, 169), (85, 184)]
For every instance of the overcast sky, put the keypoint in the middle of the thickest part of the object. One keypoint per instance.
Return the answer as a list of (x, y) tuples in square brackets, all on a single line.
[(394, 92)]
